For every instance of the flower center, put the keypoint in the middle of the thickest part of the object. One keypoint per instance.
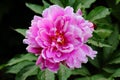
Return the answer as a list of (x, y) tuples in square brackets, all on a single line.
[(58, 38)]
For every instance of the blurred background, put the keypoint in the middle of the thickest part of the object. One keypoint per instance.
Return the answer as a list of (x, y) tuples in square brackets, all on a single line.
[(14, 14)]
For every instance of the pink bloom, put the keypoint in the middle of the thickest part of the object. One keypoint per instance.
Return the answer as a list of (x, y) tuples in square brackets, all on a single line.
[(60, 36)]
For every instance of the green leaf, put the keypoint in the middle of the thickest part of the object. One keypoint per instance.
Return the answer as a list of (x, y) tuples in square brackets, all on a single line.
[(110, 69), (87, 3), (115, 61), (17, 67), (103, 33), (98, 13), (77, 5), (21, 31), (98, 77), (46, 75), (113, 40), (83, 78), (46, 5), (36, 8), (71, 2), (26, 71), (97, 44), (95, 77), (116, 73), (64, 73), (115, 9), (57, 2), (29, 57), (82, 4), (95, 62), (119, 36), (81, 71), (117, 1), (2, 66)]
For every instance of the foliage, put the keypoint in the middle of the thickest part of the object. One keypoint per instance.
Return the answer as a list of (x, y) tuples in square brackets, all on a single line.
[(106, 66)]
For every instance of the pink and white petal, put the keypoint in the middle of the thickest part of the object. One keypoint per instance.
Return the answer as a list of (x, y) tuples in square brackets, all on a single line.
[(40, 42), (68, 10), (50, 52), (82, 57), (43, 53), (59, 23), (76, 58), (51, 66), (79, 12), (76, 61), (31, 41), (33, 30), (45, 36), (66, 48), (69, 28), (36, 50), (37, 18), (45, 24), (39, 60), (70, 62), (77, 32), (47, 53), (41, 63), (89, 51), (53, 12), (61, 57), (70, 38)]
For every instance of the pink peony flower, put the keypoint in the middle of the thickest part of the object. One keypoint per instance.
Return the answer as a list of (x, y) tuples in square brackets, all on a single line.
[(60, 36)]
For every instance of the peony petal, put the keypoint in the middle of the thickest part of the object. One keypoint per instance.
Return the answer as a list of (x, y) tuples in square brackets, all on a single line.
[(44, 36), (50, 53), (45, 24), (53, 12), (88, 50), (36, 50), (60, 57), (37, 18), (68, 10), (52, 66), (59, 23), (79, 12), (39, 60), (40, 42), (66, 48), (41, 63), (70, 62)]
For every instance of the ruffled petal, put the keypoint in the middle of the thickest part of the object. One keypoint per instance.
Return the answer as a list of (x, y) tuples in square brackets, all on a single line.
[(68, 10), (76, 58), (66, 48), (53, 12), (89, 51), (44, 63), (34, 49)]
